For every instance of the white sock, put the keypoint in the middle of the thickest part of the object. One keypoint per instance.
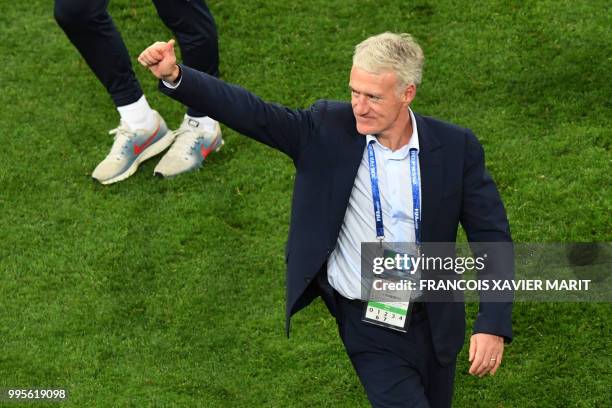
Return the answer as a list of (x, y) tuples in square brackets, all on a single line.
[(138, 115), (204, 122)]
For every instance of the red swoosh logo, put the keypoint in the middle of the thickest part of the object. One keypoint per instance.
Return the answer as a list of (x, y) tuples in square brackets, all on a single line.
[(139, 148), (206, 150)]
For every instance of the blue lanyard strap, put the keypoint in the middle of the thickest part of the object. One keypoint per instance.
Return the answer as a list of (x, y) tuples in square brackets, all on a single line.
[(378, 216), (416, 193)]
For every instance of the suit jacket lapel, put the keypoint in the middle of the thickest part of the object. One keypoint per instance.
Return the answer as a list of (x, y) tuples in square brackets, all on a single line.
[(432, 179), (347, 156)]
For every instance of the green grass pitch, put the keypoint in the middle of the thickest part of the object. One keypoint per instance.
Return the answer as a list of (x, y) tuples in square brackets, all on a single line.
[(162, 293)]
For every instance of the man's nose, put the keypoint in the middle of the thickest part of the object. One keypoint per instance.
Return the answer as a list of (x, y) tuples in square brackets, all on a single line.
[(360, 105)]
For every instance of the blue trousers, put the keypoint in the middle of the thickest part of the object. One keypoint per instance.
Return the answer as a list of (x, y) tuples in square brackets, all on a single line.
[(92, 31), (396, 369)]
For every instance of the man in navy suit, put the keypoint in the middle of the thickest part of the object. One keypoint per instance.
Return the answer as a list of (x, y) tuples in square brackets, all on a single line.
[(337, 148)]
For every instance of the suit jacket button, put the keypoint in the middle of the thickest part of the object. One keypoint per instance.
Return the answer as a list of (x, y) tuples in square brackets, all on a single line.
[(307, 279)]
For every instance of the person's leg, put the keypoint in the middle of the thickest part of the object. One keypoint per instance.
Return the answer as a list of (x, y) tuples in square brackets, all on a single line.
[(142, 133), (440, 384), (196, 33), (194, 27), (90, 28), (394, 367)]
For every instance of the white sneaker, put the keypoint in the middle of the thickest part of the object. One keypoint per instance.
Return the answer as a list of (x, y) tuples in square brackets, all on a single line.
[(130, 148), (194, 142)]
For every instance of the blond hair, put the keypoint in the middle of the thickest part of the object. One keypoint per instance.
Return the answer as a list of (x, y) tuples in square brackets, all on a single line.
[(399, 53)]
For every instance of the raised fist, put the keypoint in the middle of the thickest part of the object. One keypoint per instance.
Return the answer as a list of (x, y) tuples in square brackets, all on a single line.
[(161, 60)]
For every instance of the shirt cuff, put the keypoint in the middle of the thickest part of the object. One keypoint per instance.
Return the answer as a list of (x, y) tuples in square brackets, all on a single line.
[(174, 85)]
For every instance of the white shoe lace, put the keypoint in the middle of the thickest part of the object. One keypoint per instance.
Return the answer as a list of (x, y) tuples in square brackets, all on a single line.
[(185, 141), (123, 135)]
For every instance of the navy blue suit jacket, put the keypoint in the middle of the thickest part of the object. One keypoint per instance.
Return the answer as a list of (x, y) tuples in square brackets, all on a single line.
[(326, 150)]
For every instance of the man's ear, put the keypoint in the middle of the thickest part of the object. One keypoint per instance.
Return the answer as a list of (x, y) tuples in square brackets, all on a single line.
[(408, 94)]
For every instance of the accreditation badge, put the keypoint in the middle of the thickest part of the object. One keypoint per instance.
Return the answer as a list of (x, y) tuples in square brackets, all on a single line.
[(392, 291)]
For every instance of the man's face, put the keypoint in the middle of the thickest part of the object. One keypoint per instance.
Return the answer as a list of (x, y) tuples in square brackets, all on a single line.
[(377, 106)]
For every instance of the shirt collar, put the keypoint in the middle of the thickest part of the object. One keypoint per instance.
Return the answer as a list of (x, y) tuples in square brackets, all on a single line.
[(413, 143)]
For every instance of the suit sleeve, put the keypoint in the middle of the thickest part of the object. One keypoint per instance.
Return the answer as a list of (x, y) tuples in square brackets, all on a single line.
[(284, 129), (484, 220)]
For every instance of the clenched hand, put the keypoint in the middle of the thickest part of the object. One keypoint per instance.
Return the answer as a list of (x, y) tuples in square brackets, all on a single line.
[(161, 60)]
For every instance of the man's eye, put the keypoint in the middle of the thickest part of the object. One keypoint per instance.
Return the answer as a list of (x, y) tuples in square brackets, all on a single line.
[(374, 98)]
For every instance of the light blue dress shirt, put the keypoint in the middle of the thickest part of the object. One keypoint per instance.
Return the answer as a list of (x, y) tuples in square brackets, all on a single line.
[(393, 167)]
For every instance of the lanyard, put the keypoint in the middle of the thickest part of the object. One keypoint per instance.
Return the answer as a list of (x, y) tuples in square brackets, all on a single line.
[(416, 194)]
